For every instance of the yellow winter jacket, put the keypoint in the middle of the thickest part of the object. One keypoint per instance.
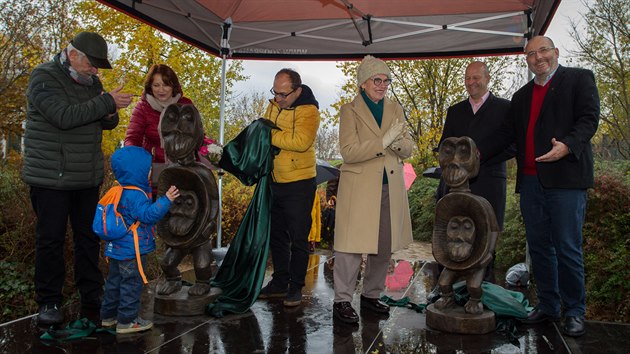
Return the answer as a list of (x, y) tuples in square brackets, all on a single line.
[(296, 139)]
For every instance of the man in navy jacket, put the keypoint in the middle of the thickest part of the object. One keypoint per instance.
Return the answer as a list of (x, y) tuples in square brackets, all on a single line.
[(552, 119)]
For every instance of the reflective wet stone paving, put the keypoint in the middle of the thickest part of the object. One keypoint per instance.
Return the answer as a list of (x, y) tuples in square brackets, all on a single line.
[(269, 327)]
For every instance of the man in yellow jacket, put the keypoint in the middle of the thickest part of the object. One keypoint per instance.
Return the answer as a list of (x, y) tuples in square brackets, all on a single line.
[(295, 111)]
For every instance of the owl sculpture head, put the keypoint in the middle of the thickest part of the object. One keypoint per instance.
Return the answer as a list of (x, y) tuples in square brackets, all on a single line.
[(182, 133), (459, 162)]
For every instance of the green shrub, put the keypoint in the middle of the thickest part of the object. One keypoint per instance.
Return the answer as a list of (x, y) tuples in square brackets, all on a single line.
[(16, 290), (236, 197), (607, 243), (510, 248), (422, 201)]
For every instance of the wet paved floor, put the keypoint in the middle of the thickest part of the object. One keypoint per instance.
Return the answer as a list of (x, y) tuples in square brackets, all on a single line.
[(271, 328)]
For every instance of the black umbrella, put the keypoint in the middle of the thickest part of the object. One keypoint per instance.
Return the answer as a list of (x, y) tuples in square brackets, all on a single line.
[(325, 172)]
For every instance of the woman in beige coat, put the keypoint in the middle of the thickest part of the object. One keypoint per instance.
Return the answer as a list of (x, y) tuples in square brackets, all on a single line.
[(372, 214)]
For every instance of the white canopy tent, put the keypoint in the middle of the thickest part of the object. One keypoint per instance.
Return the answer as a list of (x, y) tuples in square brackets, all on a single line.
[(344, 29)]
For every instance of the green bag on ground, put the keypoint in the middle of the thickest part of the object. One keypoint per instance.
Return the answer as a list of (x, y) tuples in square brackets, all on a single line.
[(76, 329), (502, 302)]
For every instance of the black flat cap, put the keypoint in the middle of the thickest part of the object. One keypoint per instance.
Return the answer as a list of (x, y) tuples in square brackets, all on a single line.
[(94, 47)]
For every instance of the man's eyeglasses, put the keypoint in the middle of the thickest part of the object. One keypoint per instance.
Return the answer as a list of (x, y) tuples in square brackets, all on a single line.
[(280, 94), (378, 81), (541, 51)]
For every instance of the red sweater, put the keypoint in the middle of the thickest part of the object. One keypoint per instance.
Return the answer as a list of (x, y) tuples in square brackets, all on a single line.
[(143, 128), (538, 96)]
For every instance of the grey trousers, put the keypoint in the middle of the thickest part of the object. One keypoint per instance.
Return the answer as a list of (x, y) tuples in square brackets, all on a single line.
[(348, 265)]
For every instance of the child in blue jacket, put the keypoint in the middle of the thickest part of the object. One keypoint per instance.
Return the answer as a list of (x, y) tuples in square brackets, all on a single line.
[(123, 288)]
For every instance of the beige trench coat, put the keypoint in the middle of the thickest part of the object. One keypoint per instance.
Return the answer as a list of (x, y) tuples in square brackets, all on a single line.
[(359, 195)]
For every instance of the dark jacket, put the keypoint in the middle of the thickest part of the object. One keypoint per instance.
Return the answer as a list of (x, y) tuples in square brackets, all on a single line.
[(490, 183), (131, 167), (143, 127), (64, 126), (569, 113)]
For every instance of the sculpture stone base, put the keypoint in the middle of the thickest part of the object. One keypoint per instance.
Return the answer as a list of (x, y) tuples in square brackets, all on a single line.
[(456, 320), (182, 304)]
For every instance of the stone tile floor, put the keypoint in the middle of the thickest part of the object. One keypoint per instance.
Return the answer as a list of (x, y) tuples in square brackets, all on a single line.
[(269, 327)]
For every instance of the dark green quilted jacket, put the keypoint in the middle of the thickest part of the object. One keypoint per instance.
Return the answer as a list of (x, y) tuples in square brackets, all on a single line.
[(64, 126)]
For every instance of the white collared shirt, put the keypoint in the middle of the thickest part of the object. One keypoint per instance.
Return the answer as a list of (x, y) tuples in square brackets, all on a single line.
[(476, 106)]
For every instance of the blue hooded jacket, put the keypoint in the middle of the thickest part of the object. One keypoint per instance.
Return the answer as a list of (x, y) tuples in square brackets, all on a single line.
[(131, 166)]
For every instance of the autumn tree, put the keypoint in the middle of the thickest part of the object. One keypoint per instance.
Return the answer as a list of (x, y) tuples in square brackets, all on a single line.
[(604, 46), (327, 143), (244, 109), (136, 46), (30, 33)]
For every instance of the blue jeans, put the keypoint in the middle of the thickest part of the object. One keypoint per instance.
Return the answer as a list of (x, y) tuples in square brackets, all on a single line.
[(123, 289), (553, 223)]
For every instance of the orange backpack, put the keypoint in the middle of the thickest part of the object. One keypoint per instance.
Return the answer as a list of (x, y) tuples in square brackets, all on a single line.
[(109, 224)]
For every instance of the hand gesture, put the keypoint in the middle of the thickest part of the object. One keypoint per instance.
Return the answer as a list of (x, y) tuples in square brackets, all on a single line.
[(558, 151), (394, 131), (172, 193), (121, 99)]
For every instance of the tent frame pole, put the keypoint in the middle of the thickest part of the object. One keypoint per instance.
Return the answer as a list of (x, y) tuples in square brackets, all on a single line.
[(225, 50)]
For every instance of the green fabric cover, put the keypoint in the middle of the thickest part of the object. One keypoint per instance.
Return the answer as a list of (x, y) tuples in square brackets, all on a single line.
[(249, 157), (503, 302), (76, 329)]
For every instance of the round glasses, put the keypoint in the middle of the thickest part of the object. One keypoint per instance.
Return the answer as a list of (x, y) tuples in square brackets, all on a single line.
[(378, 81)]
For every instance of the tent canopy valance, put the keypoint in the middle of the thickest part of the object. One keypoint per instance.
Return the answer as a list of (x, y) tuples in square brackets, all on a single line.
[(346, 29)]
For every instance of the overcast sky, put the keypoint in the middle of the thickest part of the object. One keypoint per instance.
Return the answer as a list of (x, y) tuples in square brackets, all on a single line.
[(325, 79)]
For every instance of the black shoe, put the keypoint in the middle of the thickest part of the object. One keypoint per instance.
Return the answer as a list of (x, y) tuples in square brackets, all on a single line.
[(574, 326), (49, 315), (294, 298), (434, 295), (271, 291), (374, 305), (538, 316), (344, 312)]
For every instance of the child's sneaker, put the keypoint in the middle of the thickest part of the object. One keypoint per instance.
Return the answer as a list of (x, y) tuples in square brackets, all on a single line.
[(137, 325), (108, 322)]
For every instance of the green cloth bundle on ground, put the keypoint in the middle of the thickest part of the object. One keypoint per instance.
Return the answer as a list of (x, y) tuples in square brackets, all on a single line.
[(503, 302)]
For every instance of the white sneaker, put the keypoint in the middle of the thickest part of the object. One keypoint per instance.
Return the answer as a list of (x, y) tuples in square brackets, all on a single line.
[(137, 325)]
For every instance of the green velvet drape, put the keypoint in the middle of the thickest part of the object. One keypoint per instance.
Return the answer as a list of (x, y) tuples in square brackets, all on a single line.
[(249, 157)]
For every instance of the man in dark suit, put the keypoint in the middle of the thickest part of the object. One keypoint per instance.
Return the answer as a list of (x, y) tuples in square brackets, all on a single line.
[(479, 117), (552, 119)]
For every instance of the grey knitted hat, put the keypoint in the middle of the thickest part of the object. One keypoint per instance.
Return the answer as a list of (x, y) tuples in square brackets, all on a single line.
[(369, 67)]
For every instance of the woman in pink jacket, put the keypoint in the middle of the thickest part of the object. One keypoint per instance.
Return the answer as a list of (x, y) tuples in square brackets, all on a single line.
[(161, 88)]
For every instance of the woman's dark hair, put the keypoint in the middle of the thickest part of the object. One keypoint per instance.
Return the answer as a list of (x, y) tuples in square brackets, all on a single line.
[(168, 77)]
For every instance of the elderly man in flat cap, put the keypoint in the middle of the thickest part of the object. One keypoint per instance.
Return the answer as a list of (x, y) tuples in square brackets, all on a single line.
[(67, 112)]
